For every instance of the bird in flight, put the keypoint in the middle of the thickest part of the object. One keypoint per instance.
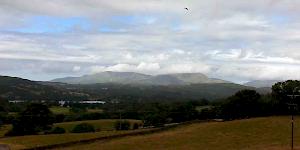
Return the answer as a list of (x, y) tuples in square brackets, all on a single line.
[(186, 8)]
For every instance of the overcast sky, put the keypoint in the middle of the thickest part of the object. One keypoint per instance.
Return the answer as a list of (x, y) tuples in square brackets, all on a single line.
[(235, 40)]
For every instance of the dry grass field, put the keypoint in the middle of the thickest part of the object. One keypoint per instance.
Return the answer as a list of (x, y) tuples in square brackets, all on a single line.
[(272, 133)]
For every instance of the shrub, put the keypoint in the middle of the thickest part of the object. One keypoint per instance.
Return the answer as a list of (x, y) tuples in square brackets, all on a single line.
[(34, 119), (83, 127), (59, 118), (1, 123), (58, 130), (10, 133), (122, 125), (136, 126)]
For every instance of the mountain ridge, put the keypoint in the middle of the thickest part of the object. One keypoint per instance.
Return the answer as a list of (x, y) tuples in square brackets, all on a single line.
[(142, 79), (261, 83)]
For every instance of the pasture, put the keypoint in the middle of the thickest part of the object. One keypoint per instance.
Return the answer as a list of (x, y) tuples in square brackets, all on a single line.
[(105, 126), (271, 133)]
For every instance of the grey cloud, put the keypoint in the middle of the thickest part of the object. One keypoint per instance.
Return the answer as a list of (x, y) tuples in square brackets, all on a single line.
[(229, 39)]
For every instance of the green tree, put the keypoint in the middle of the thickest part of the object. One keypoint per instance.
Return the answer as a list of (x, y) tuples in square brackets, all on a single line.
[(243, 104), (35, 118), (122, 125), (83, 127), (181, 112), (280, 92)]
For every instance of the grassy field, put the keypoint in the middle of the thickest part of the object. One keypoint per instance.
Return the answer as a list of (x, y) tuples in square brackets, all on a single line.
[(60, 110), (100, 125), (272, 133), (66, 110), (31, 141), (22, 142)]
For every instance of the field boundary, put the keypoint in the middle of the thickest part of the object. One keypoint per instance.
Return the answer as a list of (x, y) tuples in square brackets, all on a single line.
[(87, 141)]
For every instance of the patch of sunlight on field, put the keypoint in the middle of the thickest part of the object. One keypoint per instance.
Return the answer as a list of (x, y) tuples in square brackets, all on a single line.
[(60, 110), (4, 129), (271, 133)]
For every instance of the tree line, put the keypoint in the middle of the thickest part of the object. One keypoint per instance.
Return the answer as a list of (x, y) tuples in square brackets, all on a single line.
[(243, 104)]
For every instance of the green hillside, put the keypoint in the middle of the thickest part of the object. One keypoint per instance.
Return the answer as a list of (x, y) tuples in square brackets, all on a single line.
[(13, 88)]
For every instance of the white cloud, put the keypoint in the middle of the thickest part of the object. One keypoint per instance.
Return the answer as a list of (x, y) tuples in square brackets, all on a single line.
[(232, 39), (141, 67), (76, 68)]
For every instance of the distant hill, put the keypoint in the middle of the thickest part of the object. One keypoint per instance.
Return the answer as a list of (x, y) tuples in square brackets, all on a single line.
[(135, 92), (13, 88), (261, 83), (104, 77), (137, 78), (171, 87)]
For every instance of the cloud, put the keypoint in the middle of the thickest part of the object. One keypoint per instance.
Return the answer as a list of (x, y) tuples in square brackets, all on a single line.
[(76, 68), (232, 39), (141, 67)]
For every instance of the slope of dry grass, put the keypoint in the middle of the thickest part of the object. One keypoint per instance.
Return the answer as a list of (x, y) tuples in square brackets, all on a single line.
[(251, 134)]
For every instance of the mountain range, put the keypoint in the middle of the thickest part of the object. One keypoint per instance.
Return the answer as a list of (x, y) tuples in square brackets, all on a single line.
[(14, 88), (141, 79), (261, 83), (126, 86)]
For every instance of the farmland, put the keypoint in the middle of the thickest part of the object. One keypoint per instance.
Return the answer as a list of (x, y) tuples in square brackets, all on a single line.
[(249, 134), (106, 126), (66, 110)]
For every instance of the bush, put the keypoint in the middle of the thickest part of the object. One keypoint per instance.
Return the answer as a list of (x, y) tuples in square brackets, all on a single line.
[(34, 119), (57, 130), (122, 125), (136, 126), (59, 118), (83, 127), (1, 123), (10, 133)]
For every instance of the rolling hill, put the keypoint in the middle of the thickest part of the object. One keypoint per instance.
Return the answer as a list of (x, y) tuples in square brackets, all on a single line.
[(13, 88), (171, 87), (261, 83), (104, 77), (141, 79)]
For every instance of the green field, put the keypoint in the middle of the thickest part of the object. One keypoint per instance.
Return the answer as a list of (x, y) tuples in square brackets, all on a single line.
[(100, 125), (30, 141), (60, 110), (66, 110), (252, 134)]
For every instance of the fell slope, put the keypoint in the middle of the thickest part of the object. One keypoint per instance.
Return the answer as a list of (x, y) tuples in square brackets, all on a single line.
[(140, 79), (13, 88)]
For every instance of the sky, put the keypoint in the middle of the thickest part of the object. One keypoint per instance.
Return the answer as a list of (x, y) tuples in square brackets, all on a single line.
[(233, 40)]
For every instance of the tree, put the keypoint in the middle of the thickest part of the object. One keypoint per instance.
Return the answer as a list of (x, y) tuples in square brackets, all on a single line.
[(280, 92), (83, 127), (156, 114), (35, 118), (122, 125), (57, 130), (181, 112), (243, 104)]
